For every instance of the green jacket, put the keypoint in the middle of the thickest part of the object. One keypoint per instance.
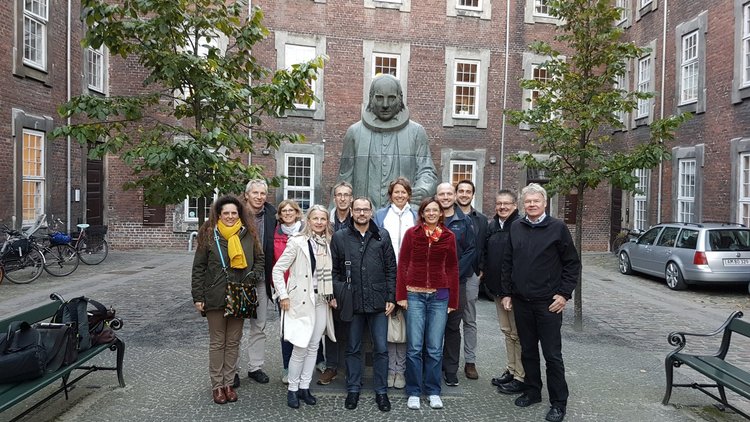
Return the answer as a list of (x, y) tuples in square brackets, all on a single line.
[(208, 280)]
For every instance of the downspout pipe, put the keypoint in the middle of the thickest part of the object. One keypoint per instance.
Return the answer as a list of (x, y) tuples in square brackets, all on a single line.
[(661, 105), (505, 92), (68, 175)]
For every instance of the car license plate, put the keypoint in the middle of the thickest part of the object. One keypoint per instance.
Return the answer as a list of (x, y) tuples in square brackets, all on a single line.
[(736, 261)]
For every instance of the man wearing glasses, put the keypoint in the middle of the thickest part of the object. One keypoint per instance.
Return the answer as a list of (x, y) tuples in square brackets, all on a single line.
[(506, 212), (364, 253)]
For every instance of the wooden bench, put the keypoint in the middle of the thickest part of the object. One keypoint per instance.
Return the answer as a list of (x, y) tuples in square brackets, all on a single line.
[(724, 374), (13, 393)]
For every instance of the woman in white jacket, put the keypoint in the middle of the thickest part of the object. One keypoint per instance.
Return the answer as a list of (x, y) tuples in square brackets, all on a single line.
[(305, 300)]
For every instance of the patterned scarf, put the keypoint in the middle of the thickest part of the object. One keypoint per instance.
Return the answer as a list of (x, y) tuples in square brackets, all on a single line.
[(234, 246), (434, 235), (323, 265)]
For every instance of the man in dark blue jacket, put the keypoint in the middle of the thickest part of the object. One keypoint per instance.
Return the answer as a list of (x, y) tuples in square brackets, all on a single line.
[(462, 226), (365, 253), (540, 271)]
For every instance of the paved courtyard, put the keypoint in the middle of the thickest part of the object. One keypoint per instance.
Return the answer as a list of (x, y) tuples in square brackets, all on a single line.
[(615, 366)]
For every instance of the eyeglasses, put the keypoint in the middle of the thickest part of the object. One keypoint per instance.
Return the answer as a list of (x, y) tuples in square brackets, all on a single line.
[(361, 210), (505, 204), (343, 195)]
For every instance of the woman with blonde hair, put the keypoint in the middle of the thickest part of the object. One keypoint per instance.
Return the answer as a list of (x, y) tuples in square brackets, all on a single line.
[(227, 249), (305, 300)]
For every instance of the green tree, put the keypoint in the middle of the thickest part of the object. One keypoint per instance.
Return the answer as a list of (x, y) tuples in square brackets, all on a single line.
[(578, 107), (203, 95)]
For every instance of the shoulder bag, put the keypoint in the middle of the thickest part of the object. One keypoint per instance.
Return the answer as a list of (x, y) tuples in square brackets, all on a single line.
[(242, 298), (397, 327), (344, 298), (22, 353)]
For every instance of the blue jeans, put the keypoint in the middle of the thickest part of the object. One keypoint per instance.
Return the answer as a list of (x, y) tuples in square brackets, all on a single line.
[(378, 324), (425, 326)]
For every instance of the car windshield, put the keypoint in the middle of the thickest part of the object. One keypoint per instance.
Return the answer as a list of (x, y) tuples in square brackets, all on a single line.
[(729, 240)]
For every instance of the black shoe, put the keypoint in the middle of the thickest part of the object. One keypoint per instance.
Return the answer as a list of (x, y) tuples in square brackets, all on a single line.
[(525, 400), (555, 414), (236, 383), (292, 400), (258, 376), (451, 379), (351, 401), (305, 396), (502, 379), (383, 403), (513, 387)]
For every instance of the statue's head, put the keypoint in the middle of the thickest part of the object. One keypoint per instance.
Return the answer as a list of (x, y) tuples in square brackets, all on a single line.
[(386, 97)]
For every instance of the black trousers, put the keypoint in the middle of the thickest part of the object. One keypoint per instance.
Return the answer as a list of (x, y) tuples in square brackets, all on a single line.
[(536, 324), (452, 341)]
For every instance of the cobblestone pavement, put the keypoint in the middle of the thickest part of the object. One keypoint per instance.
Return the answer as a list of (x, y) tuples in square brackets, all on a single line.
[(614, 367)]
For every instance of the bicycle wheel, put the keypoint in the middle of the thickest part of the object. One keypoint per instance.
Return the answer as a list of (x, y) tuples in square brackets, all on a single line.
[(93, 253), (2, 273), (24, 269), (60, 260)]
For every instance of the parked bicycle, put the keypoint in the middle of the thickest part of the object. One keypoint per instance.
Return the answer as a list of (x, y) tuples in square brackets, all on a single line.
[(625, 236), (90, 244), (22, 260)]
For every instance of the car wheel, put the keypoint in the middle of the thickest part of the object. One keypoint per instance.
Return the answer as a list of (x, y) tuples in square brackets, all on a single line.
[(675, 281), (624, 263)]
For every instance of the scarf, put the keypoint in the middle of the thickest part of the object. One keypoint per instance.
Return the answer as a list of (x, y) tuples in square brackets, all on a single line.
[(290, 230), (432, 236), (234, 246), (323, 265)]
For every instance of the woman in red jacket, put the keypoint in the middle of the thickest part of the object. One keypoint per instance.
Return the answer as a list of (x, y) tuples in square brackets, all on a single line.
[(427, 287)]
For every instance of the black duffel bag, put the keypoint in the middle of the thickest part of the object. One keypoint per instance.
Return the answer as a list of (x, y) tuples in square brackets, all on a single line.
[(22, 353), (61, 343)]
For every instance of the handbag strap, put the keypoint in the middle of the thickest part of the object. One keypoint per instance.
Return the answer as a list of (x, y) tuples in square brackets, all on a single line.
[(348, 266), (221, 255)]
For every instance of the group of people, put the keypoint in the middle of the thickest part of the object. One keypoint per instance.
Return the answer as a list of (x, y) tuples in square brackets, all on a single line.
[(424, 266)]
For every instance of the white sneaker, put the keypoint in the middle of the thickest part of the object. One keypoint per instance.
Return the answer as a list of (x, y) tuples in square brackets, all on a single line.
[(436, 402), (285, 376), (321, 367), (399, 381), (413, 402)]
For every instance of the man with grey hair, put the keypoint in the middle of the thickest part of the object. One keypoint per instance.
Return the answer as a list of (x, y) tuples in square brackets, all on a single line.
[(540, 271), (264, 215), (386, 144)]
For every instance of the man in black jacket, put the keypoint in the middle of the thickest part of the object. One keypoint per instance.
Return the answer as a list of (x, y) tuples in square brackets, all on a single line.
[(540, 272), (506, 212), (365, 253)]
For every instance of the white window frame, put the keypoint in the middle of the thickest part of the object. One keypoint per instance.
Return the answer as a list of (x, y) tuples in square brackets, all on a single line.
[(621, 83), (457, 85), (534, 69), (689, 68), (400, 5), (473, 174), (39, 18), (623, 5), (290, 189), (191, 203), (539, 5), (38, 180), (743, 197), (640, 199), (95, 68), (745, 45), (377, 54), (465, 7), (532, 15), (318, 42), (644, 71), (453, 56), (686, 189), (301, 54), (644, 3)]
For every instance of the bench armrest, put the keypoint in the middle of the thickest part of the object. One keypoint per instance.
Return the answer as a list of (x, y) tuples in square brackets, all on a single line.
[(677, 338)]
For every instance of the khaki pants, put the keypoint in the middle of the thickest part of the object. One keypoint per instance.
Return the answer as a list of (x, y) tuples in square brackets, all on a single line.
[(512, 343), (223, 347)]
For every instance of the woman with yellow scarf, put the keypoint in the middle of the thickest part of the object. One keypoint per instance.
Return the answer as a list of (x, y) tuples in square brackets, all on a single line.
[(227, 249)]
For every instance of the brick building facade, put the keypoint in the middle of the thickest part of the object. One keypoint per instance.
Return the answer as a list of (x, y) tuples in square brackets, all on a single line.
[(459, 62)]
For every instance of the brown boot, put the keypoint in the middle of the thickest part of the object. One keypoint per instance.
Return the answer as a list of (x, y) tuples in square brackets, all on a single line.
[(327, 376), (219, 396), (470, 370), (230, 393)]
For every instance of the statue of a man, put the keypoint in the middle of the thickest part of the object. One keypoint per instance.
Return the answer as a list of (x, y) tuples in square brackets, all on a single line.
[(384, 145)]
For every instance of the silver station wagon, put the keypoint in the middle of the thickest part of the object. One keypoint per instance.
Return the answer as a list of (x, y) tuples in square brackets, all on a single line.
[(690, 253)]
